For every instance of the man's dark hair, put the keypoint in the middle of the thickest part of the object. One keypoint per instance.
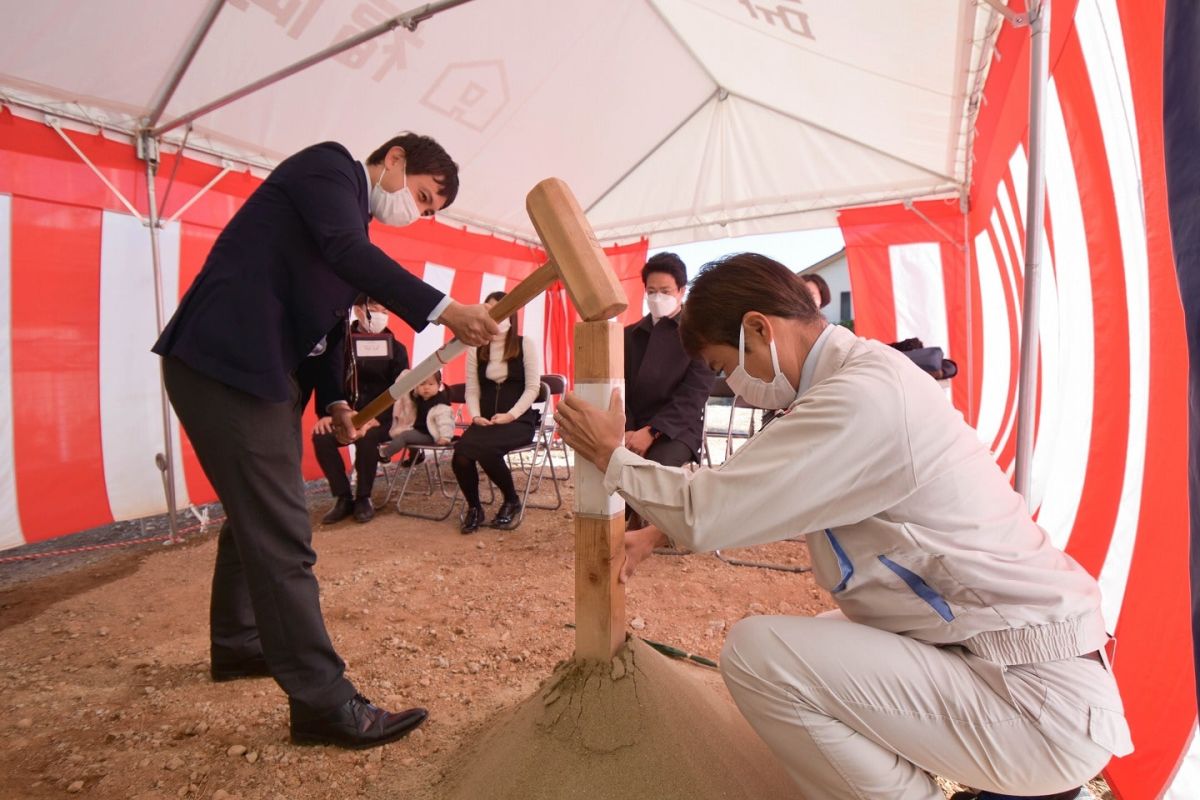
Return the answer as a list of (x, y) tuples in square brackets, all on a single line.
[(822, 287), (730, 287), (423, 156), (668, 264)]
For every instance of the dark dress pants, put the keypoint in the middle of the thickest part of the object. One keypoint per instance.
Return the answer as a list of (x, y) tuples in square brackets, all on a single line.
[(486, 445), (366, 460), (669, 452), (264, 592)]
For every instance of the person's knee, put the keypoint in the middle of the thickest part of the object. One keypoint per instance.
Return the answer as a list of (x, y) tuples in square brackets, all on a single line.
[(744, 646)]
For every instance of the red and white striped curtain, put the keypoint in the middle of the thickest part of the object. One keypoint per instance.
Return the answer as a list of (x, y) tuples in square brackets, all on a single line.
[(1110, 461), (80, 415)]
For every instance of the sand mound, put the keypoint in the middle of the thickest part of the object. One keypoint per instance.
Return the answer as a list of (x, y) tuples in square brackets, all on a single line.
[(642, 727)]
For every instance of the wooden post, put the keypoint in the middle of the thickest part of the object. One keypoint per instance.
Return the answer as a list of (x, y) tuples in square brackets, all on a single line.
[(599, 519)]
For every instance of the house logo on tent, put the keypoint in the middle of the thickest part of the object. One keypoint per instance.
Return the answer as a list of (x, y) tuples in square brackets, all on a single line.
[(472, 93)]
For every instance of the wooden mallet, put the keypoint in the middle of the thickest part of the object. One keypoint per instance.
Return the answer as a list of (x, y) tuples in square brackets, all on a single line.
[(576, 259)]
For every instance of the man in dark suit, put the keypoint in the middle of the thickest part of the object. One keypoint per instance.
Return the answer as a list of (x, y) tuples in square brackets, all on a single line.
[(276, 288), (665, 389), (376, 359)]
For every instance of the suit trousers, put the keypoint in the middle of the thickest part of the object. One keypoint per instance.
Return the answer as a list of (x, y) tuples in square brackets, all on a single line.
[(366, 460), (857, 712), (264, 593), (670, 452)]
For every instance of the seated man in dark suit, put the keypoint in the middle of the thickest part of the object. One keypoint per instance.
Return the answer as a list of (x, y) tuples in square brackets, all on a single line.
[(376, 360), (276, 287), (665, 390)]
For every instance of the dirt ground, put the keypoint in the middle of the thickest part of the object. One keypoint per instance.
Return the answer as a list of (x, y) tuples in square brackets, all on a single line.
[(104, 686)]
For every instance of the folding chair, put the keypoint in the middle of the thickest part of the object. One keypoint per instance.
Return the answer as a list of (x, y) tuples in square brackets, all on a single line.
[(435, 457), (539, 452), (558, 386)]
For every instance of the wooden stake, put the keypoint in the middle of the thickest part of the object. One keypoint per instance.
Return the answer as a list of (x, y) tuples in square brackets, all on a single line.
[(599, 519)]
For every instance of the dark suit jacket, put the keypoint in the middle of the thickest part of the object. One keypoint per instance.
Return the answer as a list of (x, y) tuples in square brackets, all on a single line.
[(283, 274), (663, 387)]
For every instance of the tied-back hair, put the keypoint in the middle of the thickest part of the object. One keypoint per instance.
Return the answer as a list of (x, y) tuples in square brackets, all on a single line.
[(512, 340), (729, 288)]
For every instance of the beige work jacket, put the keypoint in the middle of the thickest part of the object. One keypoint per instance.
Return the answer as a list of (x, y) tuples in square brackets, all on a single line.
[(911, 525)]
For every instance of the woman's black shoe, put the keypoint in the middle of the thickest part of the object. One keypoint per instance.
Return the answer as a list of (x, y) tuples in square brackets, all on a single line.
[(506, 514), (472, 520)]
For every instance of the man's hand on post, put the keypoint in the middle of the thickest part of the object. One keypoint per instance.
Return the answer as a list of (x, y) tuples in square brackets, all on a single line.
[(471, 324), (592, 432)]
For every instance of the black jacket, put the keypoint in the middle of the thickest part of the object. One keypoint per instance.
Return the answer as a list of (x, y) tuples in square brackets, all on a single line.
[(283, 274), (663, 387)]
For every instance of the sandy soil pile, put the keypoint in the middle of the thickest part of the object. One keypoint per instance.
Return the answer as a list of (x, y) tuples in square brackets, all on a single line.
[(642, 726), (104, 687)]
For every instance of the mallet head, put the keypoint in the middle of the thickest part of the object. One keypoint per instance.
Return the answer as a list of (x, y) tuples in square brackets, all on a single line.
[(583, 267)]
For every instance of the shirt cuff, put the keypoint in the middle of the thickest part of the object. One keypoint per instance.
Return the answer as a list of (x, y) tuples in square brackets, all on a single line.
[(439, 308), (329, 407), (620, 458)]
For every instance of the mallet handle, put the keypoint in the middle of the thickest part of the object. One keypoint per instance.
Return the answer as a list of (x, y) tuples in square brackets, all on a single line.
[(533, 285)]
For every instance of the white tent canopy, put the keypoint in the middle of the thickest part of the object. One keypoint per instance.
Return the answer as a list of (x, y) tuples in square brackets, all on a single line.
[(678, 120)]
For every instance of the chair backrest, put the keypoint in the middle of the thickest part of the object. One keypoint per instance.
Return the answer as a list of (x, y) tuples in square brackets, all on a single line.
[(556, 383), (457, 392)]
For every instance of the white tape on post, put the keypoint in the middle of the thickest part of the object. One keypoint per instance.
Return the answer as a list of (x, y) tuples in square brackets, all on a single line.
[(590, 497)]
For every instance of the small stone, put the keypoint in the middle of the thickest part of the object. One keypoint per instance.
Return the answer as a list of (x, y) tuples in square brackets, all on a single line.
[(103, 632), (25, 722), (174, 763), (252, 756), (618, 668), (220, 794), (758, 608), (409, 762), (236, 750), (638, 624), (424, 683), (442, 662), (479, 545), (75, 787), (472, 667)]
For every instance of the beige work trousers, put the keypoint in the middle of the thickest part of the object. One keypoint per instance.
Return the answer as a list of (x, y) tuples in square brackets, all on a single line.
[(856, 712)]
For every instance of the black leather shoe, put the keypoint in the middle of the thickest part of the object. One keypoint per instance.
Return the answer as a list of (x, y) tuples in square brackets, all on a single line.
[(472, 520), (506, 514), (356, 724), (364, 511), (249, 668), (416, 457), (343, 508)]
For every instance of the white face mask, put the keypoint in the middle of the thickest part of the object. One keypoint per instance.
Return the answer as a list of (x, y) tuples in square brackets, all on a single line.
[(503, 325), (397, 208), (376, 322), (661, 305), (755, 391)]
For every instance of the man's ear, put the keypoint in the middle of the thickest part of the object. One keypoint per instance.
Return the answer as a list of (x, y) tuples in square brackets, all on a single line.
[(395, 157), (757, 328)]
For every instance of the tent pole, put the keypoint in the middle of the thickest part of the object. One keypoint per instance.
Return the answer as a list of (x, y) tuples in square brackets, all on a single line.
[(147, 150), (1035, 210), (185, 61), (409, 20)]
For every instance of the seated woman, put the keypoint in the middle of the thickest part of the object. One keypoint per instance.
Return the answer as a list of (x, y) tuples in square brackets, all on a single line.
[(965, 643), (503, 378)]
